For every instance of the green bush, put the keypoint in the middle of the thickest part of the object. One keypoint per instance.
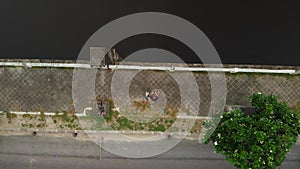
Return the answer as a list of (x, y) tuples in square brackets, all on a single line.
[(26, 115), (10, 116), (260, 140)]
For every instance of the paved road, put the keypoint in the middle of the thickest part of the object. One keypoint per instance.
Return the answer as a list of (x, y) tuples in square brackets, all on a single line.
[(45, 162), (46, 153), (9, 162)]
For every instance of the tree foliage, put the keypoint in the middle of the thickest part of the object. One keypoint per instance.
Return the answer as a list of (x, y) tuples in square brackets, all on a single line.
[(260, 140)]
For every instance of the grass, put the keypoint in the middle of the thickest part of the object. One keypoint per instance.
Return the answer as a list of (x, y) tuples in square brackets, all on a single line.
[(124, 123), (296, 110), (98, 123), (197, 127), (160, 124), (141, 105), (26, 115), (10, 116), (121, 123), (41, 118), (287, 76), (159, 128), (67, 119)]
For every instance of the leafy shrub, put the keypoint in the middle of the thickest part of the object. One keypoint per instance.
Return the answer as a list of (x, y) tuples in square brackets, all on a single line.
[(10, 116), (42, 117), (65, 116), (260, 140), (26, 115)]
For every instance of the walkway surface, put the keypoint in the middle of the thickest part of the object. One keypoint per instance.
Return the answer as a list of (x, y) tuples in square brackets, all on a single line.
[(50, 89)]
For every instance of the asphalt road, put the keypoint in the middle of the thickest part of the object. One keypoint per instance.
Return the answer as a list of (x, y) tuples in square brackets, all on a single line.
[(49, 152), (43, 162)]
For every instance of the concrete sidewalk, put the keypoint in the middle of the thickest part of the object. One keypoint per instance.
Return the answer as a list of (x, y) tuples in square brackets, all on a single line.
[(50, 89)]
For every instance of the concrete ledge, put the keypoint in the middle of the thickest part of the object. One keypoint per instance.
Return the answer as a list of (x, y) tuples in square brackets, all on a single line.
[(158, 66)]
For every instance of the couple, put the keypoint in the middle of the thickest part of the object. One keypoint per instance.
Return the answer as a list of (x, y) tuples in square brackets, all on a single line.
[(152, 95)]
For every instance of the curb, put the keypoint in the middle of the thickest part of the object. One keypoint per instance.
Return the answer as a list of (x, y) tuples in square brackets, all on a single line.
[(188, 136), (108, 132)]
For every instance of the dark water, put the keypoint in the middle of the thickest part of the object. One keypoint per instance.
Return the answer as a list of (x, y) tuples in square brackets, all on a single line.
[(251, 33)]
